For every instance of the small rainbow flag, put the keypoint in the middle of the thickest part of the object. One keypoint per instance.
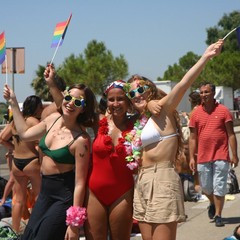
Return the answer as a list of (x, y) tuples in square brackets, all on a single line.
[(60, 32), (2, 47)]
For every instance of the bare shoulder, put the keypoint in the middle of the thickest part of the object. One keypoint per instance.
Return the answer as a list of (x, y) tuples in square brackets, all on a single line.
[(83, 137), (83, 141), (52, 117), (48, 110)]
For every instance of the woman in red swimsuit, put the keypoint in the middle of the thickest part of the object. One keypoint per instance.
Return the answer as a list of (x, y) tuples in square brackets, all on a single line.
[(110, 196)]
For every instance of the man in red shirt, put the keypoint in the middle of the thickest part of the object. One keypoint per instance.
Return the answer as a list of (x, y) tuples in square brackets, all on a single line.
[(211, 132)]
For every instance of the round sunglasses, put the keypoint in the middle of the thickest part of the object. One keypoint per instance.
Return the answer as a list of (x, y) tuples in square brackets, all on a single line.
[(78, 102), (139, 90)]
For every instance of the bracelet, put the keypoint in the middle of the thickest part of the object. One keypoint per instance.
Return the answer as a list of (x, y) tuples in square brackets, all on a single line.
[(76, 216)]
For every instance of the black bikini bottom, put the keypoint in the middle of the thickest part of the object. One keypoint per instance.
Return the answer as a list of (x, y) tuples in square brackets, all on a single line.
[(22, 163)]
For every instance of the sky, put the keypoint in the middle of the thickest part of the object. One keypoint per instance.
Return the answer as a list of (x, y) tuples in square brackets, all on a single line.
[(150, 34)]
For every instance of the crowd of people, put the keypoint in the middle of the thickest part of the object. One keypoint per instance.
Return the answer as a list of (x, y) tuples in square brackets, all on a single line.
[(128, 171)]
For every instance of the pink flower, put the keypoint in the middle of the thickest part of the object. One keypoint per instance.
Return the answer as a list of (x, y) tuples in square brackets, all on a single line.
[(133, 143), (137, 142), (76, 216), (132, 165), (128, 149)]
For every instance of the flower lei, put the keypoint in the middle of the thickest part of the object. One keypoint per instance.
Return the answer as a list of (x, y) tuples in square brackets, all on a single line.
[(133, 143), (76, 216)]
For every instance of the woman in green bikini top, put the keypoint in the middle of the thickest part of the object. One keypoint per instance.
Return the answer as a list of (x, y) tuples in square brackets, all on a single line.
[(65, 154)]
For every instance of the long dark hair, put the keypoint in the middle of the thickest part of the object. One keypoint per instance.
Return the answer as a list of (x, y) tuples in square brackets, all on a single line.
[(29, 109), (30, 105)]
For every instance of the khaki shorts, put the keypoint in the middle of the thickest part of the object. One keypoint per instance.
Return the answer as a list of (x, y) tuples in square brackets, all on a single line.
[(158, 195)]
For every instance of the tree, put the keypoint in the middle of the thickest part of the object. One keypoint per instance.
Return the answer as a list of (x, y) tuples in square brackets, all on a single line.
[(223, 70), (96, 68), (177, 71), (39, 85)]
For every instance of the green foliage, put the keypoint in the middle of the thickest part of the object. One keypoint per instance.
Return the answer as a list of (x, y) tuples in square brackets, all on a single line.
[(3, 111), (96, 68), (177, 71), (39, 85), (225, 25), (223, 70)]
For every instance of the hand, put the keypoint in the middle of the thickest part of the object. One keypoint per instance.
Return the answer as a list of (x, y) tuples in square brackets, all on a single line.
[(8, 93), (214, 49), (72, 233), (234, 162), (154, 107), (49, 74), (192, 165)]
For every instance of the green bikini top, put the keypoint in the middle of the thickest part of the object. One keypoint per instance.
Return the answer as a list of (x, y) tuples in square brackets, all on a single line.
[(60, 155)]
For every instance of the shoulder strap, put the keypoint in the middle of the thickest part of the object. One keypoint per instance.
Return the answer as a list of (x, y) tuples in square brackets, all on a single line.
[(53, 123), (81, 132)]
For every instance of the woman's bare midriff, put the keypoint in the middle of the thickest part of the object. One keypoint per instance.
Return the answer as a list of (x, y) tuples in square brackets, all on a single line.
[(161, 151)]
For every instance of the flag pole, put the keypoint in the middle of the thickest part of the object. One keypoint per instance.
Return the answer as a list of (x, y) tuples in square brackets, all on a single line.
[(56, 51), (229, 33), (6, 68)]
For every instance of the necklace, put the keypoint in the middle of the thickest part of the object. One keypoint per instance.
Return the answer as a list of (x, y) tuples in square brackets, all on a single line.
[(133, 143)]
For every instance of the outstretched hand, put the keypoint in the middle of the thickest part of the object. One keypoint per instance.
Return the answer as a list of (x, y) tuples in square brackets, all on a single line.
[(214, 49)]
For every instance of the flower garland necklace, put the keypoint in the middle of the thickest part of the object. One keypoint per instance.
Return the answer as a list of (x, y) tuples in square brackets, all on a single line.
[(133, 143)]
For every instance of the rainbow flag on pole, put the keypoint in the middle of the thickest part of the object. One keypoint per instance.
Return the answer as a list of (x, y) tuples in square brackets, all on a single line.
[(60, 32), (2, 47)]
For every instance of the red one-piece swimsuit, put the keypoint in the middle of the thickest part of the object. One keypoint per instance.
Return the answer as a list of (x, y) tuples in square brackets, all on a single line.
[(109, 178)]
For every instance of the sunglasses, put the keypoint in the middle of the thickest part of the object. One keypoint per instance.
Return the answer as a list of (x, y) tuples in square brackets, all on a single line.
[(78, 102), (139, 90)]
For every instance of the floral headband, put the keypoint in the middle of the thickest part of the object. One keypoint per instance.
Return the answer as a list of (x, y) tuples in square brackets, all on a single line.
[(116, 84)]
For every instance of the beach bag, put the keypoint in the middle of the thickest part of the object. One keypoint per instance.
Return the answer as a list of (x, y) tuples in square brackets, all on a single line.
[(189, 192), (232, 182)]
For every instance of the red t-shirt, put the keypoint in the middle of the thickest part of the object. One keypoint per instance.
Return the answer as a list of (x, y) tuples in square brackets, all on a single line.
[(212, 133)]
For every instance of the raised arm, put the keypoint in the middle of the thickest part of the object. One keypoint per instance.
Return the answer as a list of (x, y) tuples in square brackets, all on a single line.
[(50, 75), (175, 96), (25, 133)]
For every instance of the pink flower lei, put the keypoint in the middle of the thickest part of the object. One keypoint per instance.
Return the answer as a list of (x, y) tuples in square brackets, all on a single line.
[(133, 143)]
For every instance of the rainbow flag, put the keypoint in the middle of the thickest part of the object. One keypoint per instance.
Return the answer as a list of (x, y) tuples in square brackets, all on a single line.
[(2, 47), (60, 32)]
